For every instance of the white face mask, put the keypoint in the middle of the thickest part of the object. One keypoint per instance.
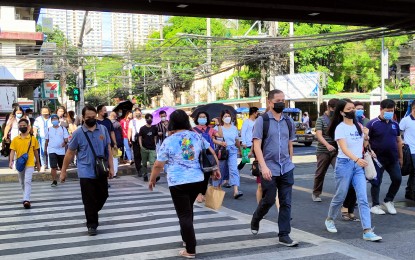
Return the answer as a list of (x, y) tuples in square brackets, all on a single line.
[(227, 120), (163, 119)]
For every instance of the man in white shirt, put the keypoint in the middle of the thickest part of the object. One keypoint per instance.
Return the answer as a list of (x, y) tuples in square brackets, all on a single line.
[(56, 141), (246, 131), (40, 127), (407, 126), (133, 132)]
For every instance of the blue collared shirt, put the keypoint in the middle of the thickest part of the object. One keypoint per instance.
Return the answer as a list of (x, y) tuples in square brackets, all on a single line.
[(276, 152), (100, 140)]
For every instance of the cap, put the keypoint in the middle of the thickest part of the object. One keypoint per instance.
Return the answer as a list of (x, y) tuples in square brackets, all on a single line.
[(54, 116)]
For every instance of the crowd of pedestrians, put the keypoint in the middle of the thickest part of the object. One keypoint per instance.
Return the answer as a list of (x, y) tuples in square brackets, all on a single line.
[(173, 146)]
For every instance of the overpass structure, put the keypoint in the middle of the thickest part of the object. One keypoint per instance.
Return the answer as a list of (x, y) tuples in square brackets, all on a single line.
[(374, 13)]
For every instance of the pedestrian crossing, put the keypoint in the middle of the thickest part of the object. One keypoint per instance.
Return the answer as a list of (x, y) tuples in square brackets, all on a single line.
[(134, 224)]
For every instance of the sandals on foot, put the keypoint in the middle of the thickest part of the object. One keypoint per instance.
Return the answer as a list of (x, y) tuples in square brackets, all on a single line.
[(183, 253), (200, 198), (349, 217)]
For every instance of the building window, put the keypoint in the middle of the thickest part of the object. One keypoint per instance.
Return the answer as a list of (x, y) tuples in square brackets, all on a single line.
[(26, 49)]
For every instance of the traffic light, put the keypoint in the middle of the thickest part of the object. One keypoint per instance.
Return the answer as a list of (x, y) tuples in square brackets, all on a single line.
[(75, 94)]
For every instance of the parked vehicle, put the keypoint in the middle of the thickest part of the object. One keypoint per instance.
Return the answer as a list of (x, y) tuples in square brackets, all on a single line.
[(303, 135)]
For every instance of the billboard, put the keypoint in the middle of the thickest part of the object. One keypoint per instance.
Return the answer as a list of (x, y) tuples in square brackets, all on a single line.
[(51, 89), (299, 86), (8, 96)]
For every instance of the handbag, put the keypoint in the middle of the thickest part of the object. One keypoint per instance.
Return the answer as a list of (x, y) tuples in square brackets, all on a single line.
[(21, 161), (205, 160), (255, 169), (100, 163), (370, 169), (214, 197), (222, 153)]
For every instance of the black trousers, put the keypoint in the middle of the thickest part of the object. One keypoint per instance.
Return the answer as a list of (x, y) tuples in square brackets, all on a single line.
[(184, 197), (94, 195), (350, 200), (137, 157), (283, 185)]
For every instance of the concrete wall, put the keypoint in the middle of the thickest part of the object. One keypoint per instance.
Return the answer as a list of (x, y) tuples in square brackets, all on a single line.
[(9, 23)]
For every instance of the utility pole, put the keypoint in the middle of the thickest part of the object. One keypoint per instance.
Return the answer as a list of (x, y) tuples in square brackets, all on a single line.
[(210, 96), (273, 32), (81, 75), (291, 47), (161, 25), (384, 69)]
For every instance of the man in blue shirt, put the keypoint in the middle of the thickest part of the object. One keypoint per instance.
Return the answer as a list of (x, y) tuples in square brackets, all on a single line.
[(275, 160), (94, 190), (385, 140)]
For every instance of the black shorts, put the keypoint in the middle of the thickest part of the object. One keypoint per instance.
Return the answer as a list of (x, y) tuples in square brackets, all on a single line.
[(56, 160)]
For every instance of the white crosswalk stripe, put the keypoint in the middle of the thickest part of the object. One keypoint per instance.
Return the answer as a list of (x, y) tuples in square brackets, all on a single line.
[(134, 224)]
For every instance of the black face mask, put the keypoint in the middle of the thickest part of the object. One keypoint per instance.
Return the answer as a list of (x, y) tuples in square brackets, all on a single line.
[(279, 107), (23, 130), (105, 115), (90, 122), (149, 121), (349, 115)]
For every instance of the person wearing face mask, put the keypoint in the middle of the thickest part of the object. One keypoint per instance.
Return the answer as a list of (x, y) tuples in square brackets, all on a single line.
[(29, 115), (351, 138), (360, 113), (56, 141), (124, 126), (147, 138), (102, 119), (210, 135), (229, 167), (94, 189), (162, 131), (246, 131), (273, 138), (385, 140), (25, 143), (12, 127), (133, 132), (42, 123)]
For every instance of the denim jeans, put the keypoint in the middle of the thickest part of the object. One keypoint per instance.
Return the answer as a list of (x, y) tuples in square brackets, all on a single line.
[(127, 150), (229, 168), (283, 184), (346, 172), (394, 171), (42, 155)]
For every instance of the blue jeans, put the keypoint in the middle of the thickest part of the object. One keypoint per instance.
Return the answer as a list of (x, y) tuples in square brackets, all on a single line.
[(283, 184), (394, 171), (127, 149), (42, 155), (346, 172), (229, 168)]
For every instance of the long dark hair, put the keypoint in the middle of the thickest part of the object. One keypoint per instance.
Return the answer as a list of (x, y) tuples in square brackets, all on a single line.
[(179, 120), (338, 118)]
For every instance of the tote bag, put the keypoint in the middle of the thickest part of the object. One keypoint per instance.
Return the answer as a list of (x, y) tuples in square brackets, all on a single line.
[(214, 197)]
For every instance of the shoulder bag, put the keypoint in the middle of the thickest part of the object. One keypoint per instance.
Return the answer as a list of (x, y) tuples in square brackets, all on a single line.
[(370, 169), (101, 164), (207, 163), (22, 160)]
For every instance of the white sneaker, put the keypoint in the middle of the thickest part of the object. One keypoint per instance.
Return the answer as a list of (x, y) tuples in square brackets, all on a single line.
[(315, 198), (377, 210), (390, 207), (330, 226)]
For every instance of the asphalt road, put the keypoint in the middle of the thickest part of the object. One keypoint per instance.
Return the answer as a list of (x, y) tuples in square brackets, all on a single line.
[(397, 230)]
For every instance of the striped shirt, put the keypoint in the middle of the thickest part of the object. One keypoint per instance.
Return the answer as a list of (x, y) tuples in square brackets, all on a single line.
[(322, 124)]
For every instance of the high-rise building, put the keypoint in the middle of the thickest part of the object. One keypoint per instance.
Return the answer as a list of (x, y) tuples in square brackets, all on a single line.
[(110, 32)]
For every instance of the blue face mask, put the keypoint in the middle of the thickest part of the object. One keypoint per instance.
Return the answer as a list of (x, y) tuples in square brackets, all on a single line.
[(202, 121), (55, 123), (359, 113), (388, 115)]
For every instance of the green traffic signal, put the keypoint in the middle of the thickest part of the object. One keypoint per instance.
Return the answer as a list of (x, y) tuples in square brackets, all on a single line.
[(75, 93)]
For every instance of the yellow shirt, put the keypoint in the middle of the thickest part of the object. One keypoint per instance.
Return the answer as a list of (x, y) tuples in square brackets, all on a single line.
[(20, 146)]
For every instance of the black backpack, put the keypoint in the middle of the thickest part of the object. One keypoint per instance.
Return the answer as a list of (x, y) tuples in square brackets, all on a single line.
[(407, 167)]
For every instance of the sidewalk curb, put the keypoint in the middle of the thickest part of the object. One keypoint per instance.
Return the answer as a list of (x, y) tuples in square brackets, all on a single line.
[(123, 170)]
